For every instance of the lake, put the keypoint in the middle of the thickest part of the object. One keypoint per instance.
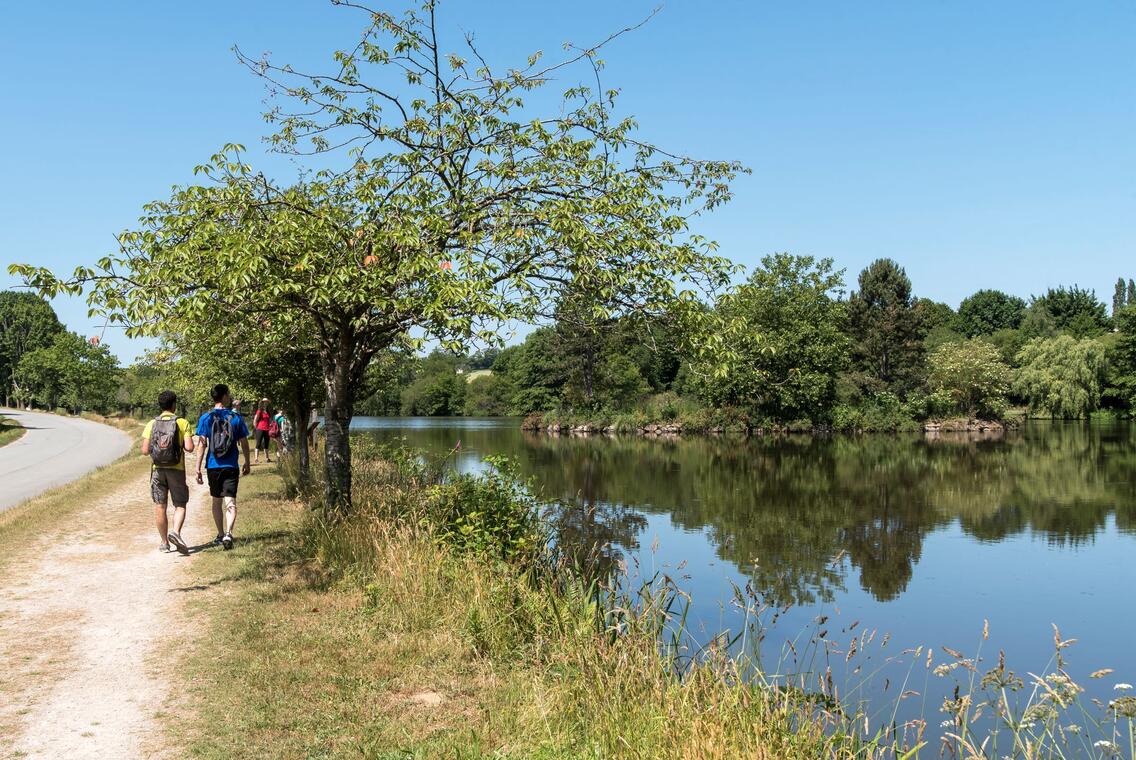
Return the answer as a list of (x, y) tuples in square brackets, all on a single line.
[(896, 541)]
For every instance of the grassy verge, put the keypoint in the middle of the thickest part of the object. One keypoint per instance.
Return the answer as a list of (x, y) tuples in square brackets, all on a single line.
[(378, 639), (431, 624), (10, 431), (51, 510)]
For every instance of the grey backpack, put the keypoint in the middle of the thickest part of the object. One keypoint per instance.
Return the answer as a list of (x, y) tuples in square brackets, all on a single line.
[(165, 443)]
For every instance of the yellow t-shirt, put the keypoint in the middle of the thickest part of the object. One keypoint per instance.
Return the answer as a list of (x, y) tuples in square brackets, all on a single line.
[(183, 431)]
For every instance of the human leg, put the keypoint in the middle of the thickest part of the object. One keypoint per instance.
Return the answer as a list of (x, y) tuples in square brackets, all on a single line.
[(159, 493), (218, 515), (160, 521), (179, 495), (223, 488), (230, 503)]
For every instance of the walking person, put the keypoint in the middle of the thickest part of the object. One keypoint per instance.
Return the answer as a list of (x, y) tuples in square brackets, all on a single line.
[(276, 432), (222, 429), (166, 440), (287, 441), (262, 425)]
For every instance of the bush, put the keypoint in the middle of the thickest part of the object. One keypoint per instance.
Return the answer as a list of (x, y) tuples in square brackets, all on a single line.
[(492, 514), (882, 412), (972, 376)]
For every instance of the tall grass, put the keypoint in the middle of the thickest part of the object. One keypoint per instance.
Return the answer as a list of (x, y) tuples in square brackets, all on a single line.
[(590, 666)]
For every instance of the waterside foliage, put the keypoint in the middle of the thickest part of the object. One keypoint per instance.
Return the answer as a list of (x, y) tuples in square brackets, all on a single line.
[(587, 666)]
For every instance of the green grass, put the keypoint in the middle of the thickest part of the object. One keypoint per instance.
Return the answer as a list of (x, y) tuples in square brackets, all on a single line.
[(10, 431)]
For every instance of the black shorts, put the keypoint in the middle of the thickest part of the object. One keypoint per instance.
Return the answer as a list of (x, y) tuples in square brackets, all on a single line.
[(262, 440), (223, 482)]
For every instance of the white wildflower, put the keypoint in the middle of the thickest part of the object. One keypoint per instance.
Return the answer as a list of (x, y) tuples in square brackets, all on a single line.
[(1123, 687)]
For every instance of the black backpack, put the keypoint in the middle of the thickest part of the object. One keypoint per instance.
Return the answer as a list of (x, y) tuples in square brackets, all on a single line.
[(165, 443), (221, 434)]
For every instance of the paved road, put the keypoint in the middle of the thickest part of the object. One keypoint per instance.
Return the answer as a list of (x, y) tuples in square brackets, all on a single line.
[(54, 450)]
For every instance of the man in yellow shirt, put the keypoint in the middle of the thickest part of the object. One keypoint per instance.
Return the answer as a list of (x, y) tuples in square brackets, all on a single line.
[(166, 440)]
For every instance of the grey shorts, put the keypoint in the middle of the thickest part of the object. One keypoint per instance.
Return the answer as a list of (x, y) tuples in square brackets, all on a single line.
[(169, 481)]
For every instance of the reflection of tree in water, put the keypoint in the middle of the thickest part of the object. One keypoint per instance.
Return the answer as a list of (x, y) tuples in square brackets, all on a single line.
[(781, 509), (885, 548), (593, 535)]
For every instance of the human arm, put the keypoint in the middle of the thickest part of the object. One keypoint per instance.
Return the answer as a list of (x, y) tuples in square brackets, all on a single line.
[(200, 455), (245, 449), (146, 438)]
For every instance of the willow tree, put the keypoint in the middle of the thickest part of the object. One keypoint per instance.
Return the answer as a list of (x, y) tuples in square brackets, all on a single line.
[(453, 206)]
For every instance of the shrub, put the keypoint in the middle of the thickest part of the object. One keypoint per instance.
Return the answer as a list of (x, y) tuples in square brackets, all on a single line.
[(492, 513), (972, 375)]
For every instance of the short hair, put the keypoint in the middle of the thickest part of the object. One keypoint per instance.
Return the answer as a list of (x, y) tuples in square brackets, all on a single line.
[(167, 400), (218, 392)]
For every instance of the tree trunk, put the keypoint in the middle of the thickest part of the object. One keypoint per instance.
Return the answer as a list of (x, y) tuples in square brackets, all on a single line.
[(337, 437), (301, 411)]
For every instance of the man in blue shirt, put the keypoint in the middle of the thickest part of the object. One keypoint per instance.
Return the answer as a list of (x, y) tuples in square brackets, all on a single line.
[(221, 429)]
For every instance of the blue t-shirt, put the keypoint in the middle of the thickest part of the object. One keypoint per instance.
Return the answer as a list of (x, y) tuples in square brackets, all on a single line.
[(240, 430)]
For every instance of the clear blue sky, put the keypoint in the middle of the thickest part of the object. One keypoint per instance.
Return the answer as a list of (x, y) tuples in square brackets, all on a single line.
[(980, 144)]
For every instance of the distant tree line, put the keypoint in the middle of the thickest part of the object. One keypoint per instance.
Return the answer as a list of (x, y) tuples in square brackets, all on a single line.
[(803, 352)]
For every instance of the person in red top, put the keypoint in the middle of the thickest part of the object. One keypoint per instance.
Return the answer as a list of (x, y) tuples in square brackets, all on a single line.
[(261, 422)]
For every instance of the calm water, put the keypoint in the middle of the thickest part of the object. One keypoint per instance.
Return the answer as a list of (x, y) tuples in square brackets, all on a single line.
[(920, 539)]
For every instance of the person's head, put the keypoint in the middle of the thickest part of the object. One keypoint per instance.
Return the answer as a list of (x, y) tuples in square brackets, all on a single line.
[(220, 394), (237, 405), (167, 400), (264, 404)]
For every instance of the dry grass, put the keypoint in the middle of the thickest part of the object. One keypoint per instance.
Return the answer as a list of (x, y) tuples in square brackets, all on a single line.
[(51, 510), (373, 640)]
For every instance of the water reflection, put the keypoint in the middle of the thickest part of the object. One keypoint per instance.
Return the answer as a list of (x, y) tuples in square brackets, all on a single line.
[(782, 509)]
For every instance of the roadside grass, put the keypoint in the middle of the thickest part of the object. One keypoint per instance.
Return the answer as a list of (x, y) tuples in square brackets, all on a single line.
[(49, 512), (10, 431)]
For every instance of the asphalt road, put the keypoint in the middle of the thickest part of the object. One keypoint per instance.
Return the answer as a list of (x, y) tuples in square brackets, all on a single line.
[(54, 450)]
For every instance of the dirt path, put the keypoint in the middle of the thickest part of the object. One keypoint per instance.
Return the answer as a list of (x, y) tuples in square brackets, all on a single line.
[(88, 622)]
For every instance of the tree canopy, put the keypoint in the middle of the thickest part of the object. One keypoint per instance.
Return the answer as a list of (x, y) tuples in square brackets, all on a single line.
[(455, 206), (988, 311), (972, 374), (27, 322), (1074, 310), (886, 329), (1061, 377), (72, 372), (790, 342)]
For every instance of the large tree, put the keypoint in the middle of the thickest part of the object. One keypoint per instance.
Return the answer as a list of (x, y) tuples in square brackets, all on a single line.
[(72, 372), (886, 328), (27, 322), (1122, 356), (453, 206), (1061, 377), (988, 311), (1074, 310), (1119, 297), (790, 341)]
